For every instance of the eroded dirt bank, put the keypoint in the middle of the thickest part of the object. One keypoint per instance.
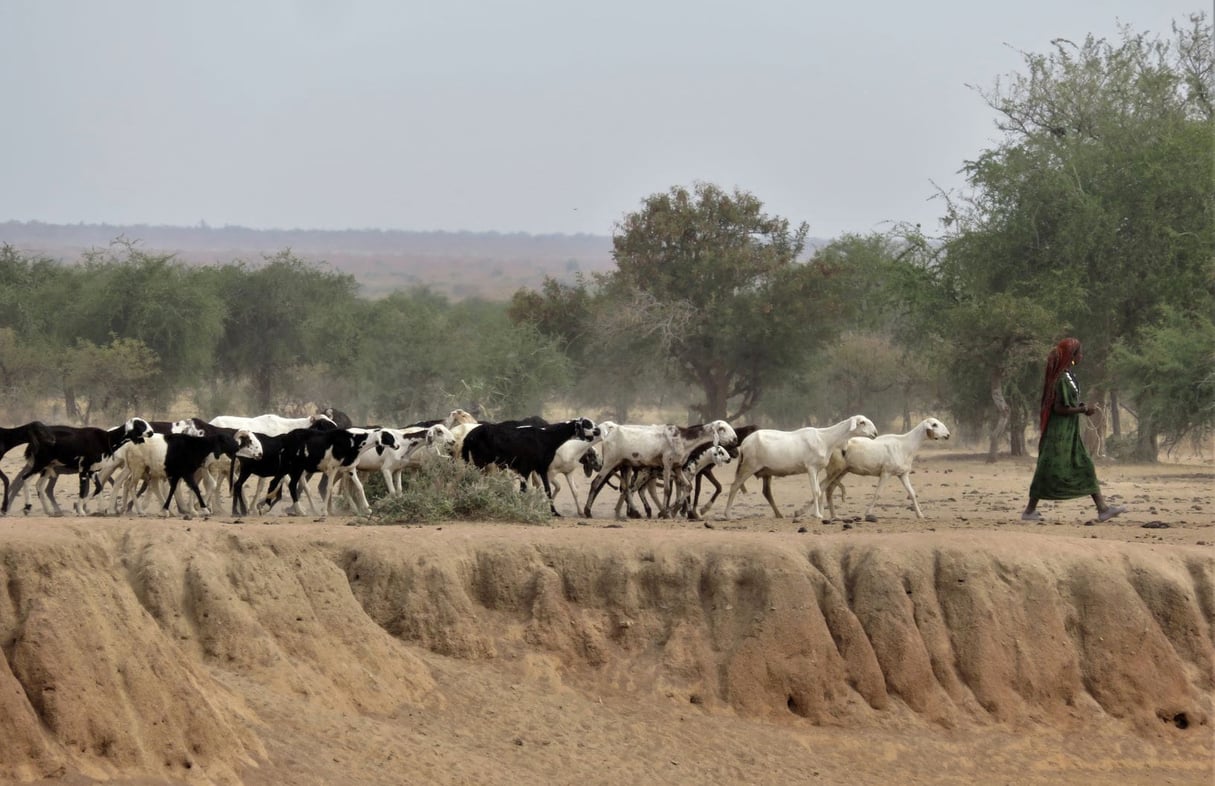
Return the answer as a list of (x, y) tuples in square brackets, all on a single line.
[(212, 652)]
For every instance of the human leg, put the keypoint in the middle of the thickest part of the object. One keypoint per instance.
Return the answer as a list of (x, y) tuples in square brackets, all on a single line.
[(1106, 511)]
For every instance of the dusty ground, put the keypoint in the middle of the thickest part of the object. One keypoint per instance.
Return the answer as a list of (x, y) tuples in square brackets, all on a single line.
[(965, 648)]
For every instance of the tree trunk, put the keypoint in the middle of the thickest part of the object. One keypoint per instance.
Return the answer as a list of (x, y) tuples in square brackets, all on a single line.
[(1016, 434), (621, 408), (263, 384), (997, 398), (1115, 416), (717, 395), (1146, 447), (70, 406)]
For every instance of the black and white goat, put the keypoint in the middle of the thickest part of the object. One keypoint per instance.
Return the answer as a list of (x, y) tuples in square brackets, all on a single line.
[(307, 451), (742, 432), (75, 449), (186, 456), (574, 456), (524, 448)]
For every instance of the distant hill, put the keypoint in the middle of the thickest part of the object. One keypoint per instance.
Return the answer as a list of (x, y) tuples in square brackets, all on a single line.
[(490, 265)]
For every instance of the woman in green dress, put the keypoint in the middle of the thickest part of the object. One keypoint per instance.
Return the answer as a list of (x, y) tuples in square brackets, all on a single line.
[(1065, 470)]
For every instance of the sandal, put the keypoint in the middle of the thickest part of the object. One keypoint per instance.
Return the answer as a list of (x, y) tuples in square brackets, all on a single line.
[(1033, 515), (1110, 512)]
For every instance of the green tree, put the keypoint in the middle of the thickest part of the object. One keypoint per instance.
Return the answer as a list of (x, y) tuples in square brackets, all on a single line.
[(572, 316), (150, 297), (275, 321), (879, 365), (1169, 372), (24, 374), (866, 374), (112, 379), (1090, 216), (716, 284), (503, 369), (402, 357), (26, 284)]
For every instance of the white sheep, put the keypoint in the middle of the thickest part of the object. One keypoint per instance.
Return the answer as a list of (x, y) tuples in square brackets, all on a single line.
[(665, 446), (645, 479), (269, 424), (884, 456), (460, 431), (458, 416), (770, 453)]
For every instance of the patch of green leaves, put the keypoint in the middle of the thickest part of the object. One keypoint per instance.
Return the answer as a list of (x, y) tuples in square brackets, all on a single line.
[(452, 490)]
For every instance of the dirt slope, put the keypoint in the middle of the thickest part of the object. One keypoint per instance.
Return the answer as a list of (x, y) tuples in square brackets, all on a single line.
[(965, 648)]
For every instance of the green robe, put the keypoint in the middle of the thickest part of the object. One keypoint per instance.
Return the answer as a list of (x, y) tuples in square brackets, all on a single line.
[(1065, 470)]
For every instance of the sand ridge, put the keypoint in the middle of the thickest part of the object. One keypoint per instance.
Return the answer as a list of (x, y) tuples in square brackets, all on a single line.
[(967, 647)]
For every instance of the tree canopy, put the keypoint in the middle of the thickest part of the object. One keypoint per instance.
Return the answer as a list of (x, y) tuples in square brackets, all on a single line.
[(712, 288), (1089, 218), (1092, 215)]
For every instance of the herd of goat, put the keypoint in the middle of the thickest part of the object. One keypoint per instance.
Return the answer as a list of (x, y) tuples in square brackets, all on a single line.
[(191, 461)]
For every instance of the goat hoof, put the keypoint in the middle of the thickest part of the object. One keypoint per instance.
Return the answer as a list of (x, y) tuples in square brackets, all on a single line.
[(870, 518)]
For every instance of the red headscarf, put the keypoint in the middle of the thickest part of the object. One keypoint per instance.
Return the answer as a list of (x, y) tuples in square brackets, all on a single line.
[(1059, 360)]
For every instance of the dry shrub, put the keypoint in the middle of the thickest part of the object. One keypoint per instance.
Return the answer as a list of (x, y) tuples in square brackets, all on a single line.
[(446, 490)]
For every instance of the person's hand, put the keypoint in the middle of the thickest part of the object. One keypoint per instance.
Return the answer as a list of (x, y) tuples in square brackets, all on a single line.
[(1089, 409)]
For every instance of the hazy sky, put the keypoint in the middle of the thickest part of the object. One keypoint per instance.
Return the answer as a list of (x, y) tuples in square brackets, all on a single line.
[(529, 116)]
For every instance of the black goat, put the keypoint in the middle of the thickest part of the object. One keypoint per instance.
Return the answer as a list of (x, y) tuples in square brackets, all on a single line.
[(35, 433)]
